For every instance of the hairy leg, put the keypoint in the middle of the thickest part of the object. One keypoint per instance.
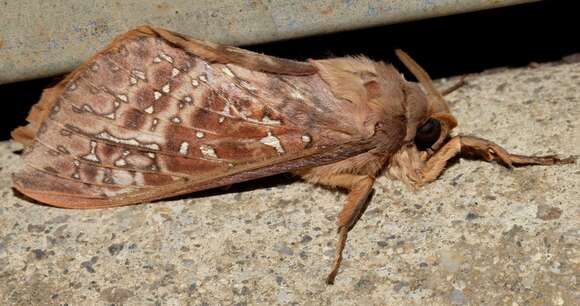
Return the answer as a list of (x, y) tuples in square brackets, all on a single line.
[(485, 149), (360, 188)]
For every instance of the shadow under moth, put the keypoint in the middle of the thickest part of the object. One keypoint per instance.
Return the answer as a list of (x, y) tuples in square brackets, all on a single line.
[(157, 114)]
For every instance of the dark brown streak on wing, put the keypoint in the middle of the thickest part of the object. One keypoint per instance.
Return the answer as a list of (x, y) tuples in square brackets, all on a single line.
[(174, 98), (113, 123), (90, 82), (89, 137), (98, 166), (316, 156), (238, 114)]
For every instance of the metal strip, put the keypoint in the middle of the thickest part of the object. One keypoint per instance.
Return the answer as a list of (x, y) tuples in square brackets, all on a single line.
[(44, 38)]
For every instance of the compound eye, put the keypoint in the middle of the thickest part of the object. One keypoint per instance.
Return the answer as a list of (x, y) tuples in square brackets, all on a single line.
[(427, 134)]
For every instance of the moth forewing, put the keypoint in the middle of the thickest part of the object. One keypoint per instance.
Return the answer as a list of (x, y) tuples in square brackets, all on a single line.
[(157, 114), (147, 112)]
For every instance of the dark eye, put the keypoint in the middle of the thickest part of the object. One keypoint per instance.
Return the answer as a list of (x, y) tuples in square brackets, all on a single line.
[(427, 134)]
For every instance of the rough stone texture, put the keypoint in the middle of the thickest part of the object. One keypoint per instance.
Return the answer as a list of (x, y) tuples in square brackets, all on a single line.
[(480, 235)]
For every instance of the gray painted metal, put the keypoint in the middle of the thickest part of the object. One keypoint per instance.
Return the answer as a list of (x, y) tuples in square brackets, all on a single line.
[(44, 38)]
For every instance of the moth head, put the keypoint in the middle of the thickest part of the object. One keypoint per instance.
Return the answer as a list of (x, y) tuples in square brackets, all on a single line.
[(432, 113), (428, 127), (433, 131), (431, 134), (427, 124)]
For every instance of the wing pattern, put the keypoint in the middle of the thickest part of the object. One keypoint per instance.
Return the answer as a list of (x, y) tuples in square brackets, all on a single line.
[(145, 113)]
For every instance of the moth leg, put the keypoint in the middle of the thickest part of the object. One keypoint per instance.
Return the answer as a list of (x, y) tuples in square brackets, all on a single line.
[(360, 187), (436, 163), (487, 150), (490, 151)]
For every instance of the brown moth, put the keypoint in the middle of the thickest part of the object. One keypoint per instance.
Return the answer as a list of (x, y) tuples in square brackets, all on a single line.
[(157, 114)]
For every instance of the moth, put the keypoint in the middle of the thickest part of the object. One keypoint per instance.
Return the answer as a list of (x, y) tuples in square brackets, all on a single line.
[(157, 114)]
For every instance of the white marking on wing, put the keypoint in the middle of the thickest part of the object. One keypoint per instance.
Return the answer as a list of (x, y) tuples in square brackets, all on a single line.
[(121, 162), (208, 151), (228, 72), (268, 120), (166, 88), (131, 141), (166, 57), (273, 141), (183, 148), (123, 97), (139, 74), (92, 156)]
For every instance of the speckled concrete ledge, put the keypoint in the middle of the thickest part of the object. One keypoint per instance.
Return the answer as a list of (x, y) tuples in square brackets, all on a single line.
[(480, 235)]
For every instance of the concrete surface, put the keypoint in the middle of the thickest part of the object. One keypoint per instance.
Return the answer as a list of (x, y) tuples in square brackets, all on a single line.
[(480, 235), (44, 38)]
